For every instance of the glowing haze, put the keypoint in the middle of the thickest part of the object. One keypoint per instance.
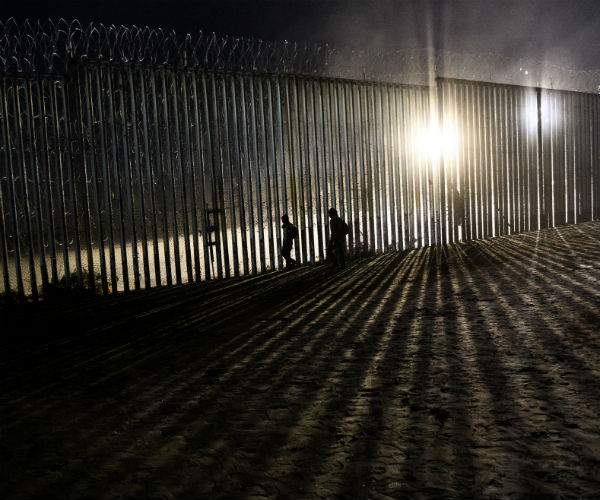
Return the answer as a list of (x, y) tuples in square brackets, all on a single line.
[(561, 32)]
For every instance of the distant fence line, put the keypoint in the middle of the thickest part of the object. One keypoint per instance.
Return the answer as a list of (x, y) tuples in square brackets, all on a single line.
[(522, 159), (145, 174)]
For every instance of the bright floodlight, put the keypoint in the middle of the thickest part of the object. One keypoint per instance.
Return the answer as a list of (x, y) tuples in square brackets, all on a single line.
[(434, 141)]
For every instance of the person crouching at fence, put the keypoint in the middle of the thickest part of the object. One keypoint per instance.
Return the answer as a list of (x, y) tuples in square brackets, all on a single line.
[(290, 233), (336, 247)]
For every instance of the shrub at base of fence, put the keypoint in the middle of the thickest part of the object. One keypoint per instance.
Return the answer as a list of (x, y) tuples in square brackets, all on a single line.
[(88, 284)]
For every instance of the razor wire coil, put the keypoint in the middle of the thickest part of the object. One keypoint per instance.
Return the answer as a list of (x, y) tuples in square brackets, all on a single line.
[(50, 47)]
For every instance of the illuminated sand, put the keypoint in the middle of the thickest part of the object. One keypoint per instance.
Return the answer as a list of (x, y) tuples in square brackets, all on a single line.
[(470, 371)]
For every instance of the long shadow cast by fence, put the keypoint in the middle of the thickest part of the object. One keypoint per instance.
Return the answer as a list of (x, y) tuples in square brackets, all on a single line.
[(466, 370)]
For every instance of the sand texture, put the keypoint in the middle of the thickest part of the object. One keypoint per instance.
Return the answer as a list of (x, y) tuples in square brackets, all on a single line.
[(466, 371)]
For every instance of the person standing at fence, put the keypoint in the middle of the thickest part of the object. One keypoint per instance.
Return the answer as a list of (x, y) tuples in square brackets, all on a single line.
[(290, 233), (336, 247)]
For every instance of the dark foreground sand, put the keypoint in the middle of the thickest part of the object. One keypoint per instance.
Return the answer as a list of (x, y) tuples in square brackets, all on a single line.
[(469, 371)]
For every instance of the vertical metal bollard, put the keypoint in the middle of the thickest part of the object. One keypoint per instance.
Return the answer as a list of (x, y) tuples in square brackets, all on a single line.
[(317, 213), (494, 162), (10, 195), (487, 161), (160, 156), (362, 190), (570, 163), (228, 169), (405, 168), (210, 138), (522, 159), (444, 205), (45, 178), (137, 185), (346, 115), (280, 144), (198, 172), (325, 175), (379, 170), (347, 185), (36, 188), (149, 171), (531, 185), (422, 117), (307, 184), (219, 175), (265, 167), (127, 183), (190, 174), (332, 176), (256, 176), (248, 174), (370, 145), (505, 143), (397, 167), (172, 207), (90, 205), (540, 161), (179, 173), (5, 207), (108, 203), (117, 180), (595, 131), (390, 173), (24, 177), (235, 152), (511, 160), (271, 122), (62, 203)]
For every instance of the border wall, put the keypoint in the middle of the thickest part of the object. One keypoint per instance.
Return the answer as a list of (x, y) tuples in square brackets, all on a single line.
[(127, 173)]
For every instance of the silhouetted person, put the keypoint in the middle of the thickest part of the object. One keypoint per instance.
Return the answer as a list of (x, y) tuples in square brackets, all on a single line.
[(336, 248), (290, 233)]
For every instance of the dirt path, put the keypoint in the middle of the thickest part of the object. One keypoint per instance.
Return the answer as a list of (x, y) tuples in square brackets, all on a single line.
[(468, 371)]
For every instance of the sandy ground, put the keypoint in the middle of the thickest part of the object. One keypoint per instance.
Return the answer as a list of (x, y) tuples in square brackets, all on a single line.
[(466, 371)]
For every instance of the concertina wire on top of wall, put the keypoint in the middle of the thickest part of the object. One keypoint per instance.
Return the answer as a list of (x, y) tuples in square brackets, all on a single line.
[(136, 174)]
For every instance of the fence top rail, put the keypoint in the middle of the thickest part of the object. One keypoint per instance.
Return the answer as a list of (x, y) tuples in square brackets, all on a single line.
[(464, 81)]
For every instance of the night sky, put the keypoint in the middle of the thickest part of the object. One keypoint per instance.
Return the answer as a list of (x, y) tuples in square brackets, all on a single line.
[(562, 32)]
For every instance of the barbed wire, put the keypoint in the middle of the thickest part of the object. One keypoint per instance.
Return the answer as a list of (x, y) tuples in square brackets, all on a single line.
[(50, 46)]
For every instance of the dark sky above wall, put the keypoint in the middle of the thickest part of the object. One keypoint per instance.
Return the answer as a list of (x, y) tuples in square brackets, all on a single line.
[(564, 32)]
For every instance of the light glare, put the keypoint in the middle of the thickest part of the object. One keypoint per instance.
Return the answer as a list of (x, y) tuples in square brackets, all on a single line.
[(434, 141)]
